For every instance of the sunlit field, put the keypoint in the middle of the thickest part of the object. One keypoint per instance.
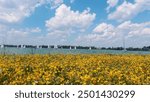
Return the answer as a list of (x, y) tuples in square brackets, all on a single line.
[(79, 69)]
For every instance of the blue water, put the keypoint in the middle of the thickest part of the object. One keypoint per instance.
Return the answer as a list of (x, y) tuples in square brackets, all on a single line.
[(65, 51)]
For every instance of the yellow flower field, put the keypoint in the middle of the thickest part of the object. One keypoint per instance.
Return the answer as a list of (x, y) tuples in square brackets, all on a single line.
[(80, 69)]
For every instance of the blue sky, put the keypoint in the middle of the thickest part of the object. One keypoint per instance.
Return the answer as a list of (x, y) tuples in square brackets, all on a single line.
[(101, 23)]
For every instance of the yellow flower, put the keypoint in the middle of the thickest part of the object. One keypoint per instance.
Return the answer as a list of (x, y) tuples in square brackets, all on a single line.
[(74, 69)]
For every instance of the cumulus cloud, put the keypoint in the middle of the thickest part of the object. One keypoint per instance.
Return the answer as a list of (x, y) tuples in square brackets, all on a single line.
[(134, 29), (109, 35), (111, 3), (129, 10), (102, 33), (103, 27), (35, 30), (55, 3), (16, 10), (67, 21), (19, 36), (64, 23)]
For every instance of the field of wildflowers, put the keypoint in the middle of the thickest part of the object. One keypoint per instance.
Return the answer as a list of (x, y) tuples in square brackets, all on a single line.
[(79, 69)]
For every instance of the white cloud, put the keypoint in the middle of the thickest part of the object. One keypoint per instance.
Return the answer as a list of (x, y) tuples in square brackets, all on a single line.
[(58, 34), (137, 34), (103, 27), (19, 36), (101, 34), (16, 10), (59, 26), (129, 10), (35, 30), (55, 3), (145, 31), (69, 21), (14, 33), (22, 32), (134, 29), (2, 27), (111, 3)]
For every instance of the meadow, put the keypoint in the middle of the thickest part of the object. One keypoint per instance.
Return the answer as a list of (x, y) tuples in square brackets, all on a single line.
[(75, 69)]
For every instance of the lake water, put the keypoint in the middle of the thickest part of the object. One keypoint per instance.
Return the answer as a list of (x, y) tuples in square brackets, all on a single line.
[(65, 51)]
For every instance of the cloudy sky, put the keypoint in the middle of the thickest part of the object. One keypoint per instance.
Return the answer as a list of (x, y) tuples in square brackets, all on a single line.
[(75, 22)]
